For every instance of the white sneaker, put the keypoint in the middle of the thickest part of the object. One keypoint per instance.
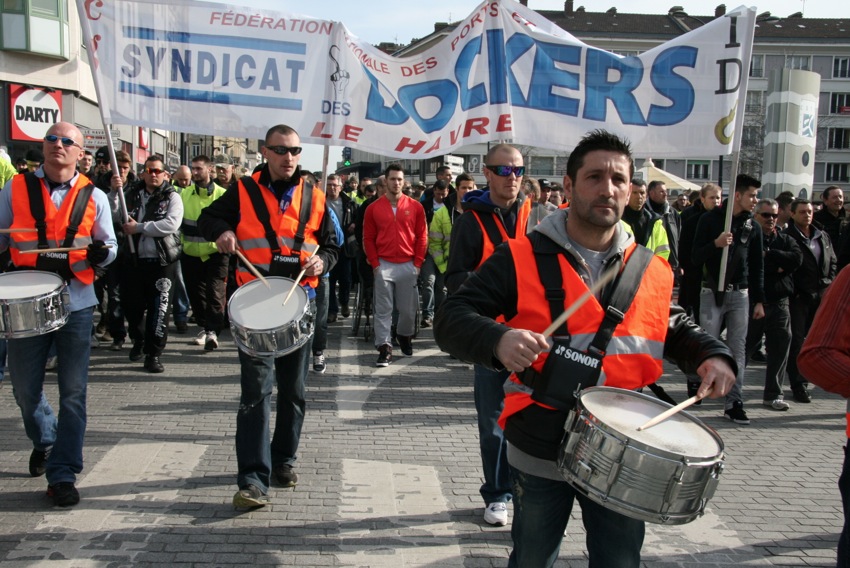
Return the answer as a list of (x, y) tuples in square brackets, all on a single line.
[(212, 342), (201, 338), (777, 404), (496, 514)]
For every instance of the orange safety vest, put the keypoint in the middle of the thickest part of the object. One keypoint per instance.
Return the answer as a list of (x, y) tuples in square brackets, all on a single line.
[(634, 356), (521, 225), (57, 225), (252, 235)]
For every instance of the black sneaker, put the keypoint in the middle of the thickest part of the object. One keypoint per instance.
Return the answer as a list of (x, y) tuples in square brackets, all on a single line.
[(319, 362), (285, 475), (38, 461), (136, 351), (344, 311), (385, 355), (117, 345), (693, 389), (152, 364), (250, 498), (427, 322), (801, 394), (63, 494), (406, 344), (736, 414), (181, 326)]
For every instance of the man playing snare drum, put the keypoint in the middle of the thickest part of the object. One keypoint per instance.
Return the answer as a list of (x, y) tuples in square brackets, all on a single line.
[(57, 443), (267, 237), (530, 279)]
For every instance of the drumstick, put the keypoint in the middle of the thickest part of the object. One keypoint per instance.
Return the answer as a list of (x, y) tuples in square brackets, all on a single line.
[(251, 268), (59, 249), (300, 276), (606, 277), (10, 230), (671, 411)]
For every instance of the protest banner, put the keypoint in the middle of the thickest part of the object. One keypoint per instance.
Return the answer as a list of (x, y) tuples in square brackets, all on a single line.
[(504, 73)]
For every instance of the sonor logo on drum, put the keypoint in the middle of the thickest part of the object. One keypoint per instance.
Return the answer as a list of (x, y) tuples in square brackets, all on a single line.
[(577, 356), (56, 255)]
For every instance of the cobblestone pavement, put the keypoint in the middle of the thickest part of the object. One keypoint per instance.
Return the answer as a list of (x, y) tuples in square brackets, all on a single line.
[(389, 473)]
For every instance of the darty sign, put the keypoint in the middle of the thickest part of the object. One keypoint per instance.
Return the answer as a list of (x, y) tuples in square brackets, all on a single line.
[(32, 111), (503, 73)]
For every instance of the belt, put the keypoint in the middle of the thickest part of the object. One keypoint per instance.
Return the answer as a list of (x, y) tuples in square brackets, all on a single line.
[(729, 287)]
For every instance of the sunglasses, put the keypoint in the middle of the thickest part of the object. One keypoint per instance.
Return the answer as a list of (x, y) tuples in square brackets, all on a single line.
[(505, 171), (769, 215), (284, 150), (52, 139), (154, 171)]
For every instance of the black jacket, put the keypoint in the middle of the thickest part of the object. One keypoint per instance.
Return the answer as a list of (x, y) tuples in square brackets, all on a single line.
[(690, 218), (830, 224), (812, 278), (782, 257), (169, 247), (641, 223), (223, 215), (673, 226), (745, 264)]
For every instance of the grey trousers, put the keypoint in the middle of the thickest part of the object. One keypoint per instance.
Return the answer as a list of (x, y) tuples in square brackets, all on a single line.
[(395, 283)]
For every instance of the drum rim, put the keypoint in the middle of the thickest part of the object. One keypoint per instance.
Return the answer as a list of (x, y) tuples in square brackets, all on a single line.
[(637, 444), (298, 291)]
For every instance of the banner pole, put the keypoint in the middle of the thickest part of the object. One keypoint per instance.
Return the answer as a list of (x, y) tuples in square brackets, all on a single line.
[(325, 155), (737, 134)]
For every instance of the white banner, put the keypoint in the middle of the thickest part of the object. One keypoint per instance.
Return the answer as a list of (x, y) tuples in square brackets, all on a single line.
[(505, 73)]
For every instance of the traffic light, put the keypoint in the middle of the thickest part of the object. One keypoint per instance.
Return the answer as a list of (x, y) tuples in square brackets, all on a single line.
[(346, 156)]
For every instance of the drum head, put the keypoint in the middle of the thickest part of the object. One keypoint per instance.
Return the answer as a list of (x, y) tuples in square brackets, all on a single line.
[(255, 307), (624, 411), (28, 284)]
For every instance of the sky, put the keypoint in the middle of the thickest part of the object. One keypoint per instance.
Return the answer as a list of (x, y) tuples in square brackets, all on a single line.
[(379, 21)]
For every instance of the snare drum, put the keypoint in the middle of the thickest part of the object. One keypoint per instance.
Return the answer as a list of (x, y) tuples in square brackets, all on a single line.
[(262, 326), (665, 474), (32, 303)]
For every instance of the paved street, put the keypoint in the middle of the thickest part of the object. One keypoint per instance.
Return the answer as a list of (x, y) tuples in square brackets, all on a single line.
[(389, 474)]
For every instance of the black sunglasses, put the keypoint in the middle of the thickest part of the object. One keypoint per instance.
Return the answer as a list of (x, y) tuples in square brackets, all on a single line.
[(283, 150), (505, 171), (52, 139), (769, 215)]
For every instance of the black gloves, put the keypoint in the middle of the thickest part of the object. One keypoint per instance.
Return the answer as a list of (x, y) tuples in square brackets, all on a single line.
[(96, 252)]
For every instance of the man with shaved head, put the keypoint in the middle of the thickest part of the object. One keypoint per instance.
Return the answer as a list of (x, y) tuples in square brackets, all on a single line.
[(59, 198)]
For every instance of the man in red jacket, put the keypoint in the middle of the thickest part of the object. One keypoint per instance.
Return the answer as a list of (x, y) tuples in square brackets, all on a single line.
[(395, 238)]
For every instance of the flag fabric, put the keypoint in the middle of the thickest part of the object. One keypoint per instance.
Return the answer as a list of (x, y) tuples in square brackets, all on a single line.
[(504, 73)]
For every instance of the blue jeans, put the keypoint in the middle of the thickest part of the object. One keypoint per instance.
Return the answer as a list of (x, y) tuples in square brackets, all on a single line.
[(433, 288), (340, 274), (181, 297), (323, 295), (541, 512), (255, 453), (489, 401), (2, 359), (27, 357), (844, 488), (735, 311)]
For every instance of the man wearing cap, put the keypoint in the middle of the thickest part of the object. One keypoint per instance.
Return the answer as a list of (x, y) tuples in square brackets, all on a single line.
[(224, 174)]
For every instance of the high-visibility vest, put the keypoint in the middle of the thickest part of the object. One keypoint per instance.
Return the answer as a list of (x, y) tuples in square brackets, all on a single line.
[(252, 235), (634, 356), (489, 243), (57, 225), (195, 199)]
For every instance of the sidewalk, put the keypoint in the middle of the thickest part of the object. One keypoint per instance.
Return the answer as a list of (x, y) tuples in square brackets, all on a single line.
[(388, 468)]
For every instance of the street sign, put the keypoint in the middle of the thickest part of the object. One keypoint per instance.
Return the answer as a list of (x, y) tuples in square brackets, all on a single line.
[(456, 170), (453, 160), (96, 137)]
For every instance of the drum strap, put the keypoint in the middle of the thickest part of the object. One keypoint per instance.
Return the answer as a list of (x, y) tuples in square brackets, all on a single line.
[(262, 213), (620, 298), (38, 213)]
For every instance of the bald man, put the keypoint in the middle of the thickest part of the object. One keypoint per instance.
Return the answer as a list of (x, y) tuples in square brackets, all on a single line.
[(182, 178), (57, 443)]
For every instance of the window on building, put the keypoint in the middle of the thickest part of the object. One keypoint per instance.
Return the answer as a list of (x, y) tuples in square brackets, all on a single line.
[(837, 172), (196, 150), (841, 67), (542, 166), (753, 136), (839, 103), (35, 26), (802, 62), (838, 139), (755, 102), (698, 169), (757, 66)]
